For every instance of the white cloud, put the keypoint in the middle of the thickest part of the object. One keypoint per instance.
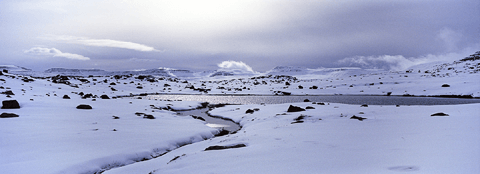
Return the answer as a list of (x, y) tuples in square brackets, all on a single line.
[(54, 53), (233, 65), (100, 42)]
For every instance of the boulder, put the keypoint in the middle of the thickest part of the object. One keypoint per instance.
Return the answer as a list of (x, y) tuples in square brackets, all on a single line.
[(249, 111), (225, 147), (439, 114), (66, 97), (309, 107), (292, 108), (8, 92), (84, 106), (8, 115), (306, 100), (358, 118), (104, 97), (10, 104), (147, 116)]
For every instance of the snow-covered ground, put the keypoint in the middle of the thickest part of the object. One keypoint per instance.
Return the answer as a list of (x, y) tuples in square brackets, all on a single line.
[(52, 136), (390, 140)]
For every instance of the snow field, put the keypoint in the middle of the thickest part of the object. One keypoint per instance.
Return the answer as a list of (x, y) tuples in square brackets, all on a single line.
[(391, 140)]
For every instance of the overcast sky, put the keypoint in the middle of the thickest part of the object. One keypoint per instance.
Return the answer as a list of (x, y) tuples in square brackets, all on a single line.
[(200, 35)]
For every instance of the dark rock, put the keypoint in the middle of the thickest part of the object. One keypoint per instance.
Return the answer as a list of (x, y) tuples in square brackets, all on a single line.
[(306, 100), (113, 89), (321, 103), (364, 105), (389, 93), (139, 113), (113, 83), (256, 109), (148, 116), (286, 93), (249, 111), (8, 115), (10, 104), (139, 87), (314, 87), (197, 117), (286, 83), (292, 108), (5, 71), (115, 117), (309, 107), (222, 133), (9, 92), (445, 85), (300, 87), (83, 106), (104, 97), (66, 97), (439, 114), (358, 118), (225, 147)]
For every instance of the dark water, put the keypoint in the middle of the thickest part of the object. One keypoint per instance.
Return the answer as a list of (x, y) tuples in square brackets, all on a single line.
[(346, 99)]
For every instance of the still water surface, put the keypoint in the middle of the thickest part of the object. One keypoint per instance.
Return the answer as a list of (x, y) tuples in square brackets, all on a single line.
[(346, 99)]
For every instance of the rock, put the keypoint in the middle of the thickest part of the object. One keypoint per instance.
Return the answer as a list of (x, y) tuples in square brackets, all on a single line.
[(10, 104), (115, 117), (83, 106), (66, 97), (5, 71), (306, 100), (199, 118), (104, 97), (8, 115), (147, 116), (309, 107), (225, 147), (292, 108), (9, 92), (364, 105), (249, 111), (358, 118), (300, 87), (445, 85), (222, 133), (439, 114), (286, 83), (321, 103)]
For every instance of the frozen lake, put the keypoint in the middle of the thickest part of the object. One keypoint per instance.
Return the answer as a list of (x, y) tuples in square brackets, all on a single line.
[(345, 99)]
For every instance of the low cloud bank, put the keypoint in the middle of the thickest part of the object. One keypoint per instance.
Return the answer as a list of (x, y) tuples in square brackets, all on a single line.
[(53, 52), (399, 62)]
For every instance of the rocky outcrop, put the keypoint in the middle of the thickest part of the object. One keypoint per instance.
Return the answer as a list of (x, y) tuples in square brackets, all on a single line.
[(10, 104), (292, 108)]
